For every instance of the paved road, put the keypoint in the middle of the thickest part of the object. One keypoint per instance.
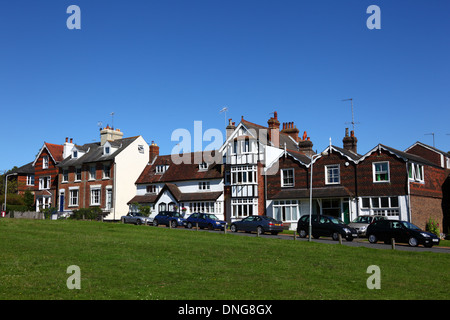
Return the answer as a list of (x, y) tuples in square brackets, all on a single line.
[(360, 242)]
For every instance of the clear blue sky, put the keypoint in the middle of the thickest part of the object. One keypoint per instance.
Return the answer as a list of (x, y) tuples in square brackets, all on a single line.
[(160, 65)]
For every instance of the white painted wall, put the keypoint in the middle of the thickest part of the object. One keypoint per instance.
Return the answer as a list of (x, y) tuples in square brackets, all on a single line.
[(129, 164)]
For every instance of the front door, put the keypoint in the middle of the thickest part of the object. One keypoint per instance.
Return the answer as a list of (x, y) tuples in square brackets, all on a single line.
[(61, 202), (108, 205)]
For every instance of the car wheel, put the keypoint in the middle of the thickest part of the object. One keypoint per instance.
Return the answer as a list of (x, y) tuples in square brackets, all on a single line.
[(139, 222), (373, 238), (259, 230), (210, 227), (173, 223), (189, 225), (233, 228), (155, 223), (413, 242), (335, 236), (302, 233)]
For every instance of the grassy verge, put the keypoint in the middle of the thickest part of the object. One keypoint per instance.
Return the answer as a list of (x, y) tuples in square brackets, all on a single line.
[(140, 262)]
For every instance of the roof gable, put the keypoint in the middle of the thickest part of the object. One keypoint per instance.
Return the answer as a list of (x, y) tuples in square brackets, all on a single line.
[(54, 150)]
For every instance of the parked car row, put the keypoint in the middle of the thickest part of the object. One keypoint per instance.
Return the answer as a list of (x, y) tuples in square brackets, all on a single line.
[(375, 228)]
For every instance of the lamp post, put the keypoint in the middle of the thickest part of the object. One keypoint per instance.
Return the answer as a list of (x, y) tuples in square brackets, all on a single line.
[(6, 187), (313, 157)]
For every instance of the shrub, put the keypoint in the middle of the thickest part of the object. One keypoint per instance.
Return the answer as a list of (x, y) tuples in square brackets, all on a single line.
[(86, 213), (433, 227)]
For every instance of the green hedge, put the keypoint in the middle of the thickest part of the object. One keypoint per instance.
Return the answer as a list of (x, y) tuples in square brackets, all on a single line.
[(86, 214)]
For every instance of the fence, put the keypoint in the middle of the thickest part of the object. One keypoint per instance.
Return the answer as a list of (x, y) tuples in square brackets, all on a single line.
[(26, 215)]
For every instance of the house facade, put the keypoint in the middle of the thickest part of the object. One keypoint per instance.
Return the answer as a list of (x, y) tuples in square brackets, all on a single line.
[(101, 174), (186, 186), (251, 156), (46, 175)]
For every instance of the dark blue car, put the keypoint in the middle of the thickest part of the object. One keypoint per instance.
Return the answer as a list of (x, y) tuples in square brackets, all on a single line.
[(169, 218), (205, 220), (260, 224)]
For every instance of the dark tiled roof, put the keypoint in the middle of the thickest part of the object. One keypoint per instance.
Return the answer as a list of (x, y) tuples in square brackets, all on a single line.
[(352, 155), (147, 198), (25, 169), (409, 156), (186, 197), (94, 152)]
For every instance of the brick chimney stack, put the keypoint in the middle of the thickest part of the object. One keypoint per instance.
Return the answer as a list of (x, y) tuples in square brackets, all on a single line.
[(154, 151), (350, 142), (290, 129), (230, 128), (274, 130), (305, 145)]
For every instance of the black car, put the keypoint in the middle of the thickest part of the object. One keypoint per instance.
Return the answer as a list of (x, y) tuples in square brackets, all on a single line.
[(325, 226), (400, 231), (260, 224), (172, 218)]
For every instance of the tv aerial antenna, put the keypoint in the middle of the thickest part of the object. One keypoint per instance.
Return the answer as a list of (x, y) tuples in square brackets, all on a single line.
[(224, 110), (112, 119), (353, 114), (431, 134)]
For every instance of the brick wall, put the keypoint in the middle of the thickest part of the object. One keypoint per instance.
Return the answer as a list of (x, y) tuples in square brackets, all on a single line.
[(398, 176), (84, 196), (424, 208)]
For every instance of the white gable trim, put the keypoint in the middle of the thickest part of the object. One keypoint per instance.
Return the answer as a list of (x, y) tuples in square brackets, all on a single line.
[(39, 154)]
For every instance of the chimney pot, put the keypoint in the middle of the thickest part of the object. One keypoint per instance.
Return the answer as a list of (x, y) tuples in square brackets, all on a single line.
[(71, 140)]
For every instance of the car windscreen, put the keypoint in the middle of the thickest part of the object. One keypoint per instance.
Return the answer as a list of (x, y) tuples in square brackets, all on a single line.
[(362, 220), (336, 220), (211, 216), (410, 225)]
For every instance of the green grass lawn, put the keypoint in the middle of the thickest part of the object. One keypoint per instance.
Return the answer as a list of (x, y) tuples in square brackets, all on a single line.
[(139, 262)]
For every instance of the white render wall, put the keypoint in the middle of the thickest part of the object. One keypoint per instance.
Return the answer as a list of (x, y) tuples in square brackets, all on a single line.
[(129, 164)]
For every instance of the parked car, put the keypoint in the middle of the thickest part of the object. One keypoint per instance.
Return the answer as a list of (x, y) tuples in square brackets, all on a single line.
[(136, 218), (205, 220), (173, 218), (400, 231), (260, 224), (362, 222), (325, 226)]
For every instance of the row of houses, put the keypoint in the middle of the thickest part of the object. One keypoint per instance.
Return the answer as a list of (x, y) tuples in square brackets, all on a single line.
[(260, 169)]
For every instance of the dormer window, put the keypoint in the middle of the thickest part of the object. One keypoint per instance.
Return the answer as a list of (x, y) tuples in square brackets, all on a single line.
[(107, 150), (161, 168), (75, 154), (203, 166)]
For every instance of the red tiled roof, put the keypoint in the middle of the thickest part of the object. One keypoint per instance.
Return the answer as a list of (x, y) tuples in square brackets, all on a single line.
[(55, 150), (178, 172)]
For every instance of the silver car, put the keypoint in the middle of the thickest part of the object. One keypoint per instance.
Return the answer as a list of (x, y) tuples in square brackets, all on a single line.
[(362, 222), (136, 218)]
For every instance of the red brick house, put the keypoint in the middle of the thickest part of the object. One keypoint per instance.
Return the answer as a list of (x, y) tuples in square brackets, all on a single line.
[(25, 178), (101, 174), (46, 175), (333, 184)]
